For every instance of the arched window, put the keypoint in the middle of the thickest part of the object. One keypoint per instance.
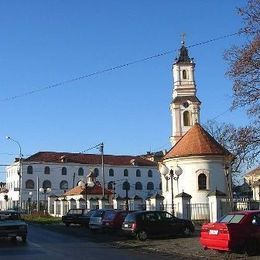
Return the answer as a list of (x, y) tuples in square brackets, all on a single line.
[(138, 186), (125, 172), (47, 170), (150, 186), (186, 118), (202, 181), (29, 169), (150, 173), (64, 171), (184, 74), (64, 185), (96, 172), (46, 184), (138, 173), (110, 185), (29, 184), (126, 185), (80, 172), (111, 172)]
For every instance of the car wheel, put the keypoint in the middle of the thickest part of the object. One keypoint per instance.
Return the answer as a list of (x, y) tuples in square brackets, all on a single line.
[(142, 235), (251, 248), (186, 232), (67, 224), (24, 238)]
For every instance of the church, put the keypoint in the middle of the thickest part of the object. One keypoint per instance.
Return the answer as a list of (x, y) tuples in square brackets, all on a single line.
[(196, 165)]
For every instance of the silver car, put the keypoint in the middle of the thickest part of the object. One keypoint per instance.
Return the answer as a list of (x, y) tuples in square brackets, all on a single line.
[(96, 219)]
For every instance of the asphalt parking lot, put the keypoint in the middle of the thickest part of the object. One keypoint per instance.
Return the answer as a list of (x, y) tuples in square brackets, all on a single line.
[(184, 247)]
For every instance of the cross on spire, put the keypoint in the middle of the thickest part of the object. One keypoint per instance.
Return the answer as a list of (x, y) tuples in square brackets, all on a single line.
[(183, 38)]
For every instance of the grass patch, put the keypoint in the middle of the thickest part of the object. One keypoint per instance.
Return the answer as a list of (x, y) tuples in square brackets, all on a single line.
[(40, 218)]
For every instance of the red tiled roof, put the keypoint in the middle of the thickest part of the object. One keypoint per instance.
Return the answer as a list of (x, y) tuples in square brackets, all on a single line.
[(58, 157), (78, 190), (197, 141)]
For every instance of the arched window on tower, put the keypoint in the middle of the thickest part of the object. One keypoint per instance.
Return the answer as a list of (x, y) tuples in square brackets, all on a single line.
[(186, 118), (202, 181), (184, 74)]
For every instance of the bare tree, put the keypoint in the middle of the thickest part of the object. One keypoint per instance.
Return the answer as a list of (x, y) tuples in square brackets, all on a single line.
[(242, 142), (244, 62)]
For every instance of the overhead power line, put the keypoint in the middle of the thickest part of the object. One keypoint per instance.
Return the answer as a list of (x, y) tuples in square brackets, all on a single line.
[(65, 82)]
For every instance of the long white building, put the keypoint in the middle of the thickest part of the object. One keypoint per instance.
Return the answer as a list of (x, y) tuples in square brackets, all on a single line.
[(61, 171)]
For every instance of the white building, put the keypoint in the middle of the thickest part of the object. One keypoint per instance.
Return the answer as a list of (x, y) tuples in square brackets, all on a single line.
[(61, 171), (196, 164), (253, 179)]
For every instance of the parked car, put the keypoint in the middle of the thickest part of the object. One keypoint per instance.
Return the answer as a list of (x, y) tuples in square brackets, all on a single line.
[(11, 225), (77, 216), (96, 220), (144, 224), (113, 219), (235, 231)]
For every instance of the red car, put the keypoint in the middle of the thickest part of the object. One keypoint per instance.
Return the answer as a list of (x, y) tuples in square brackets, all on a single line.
[(236, 231), (113, 219)]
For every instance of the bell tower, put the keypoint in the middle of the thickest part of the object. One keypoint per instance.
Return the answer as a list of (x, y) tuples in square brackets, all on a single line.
[(185, 106)]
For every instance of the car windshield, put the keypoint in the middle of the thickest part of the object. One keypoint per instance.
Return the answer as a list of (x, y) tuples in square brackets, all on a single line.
[(98, 213), (231, 218), (110, 215), (130, 217), (89, 213), (75, 211), (9, 216)]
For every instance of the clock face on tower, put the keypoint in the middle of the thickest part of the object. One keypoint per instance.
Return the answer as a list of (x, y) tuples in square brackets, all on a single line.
[(185, 104)]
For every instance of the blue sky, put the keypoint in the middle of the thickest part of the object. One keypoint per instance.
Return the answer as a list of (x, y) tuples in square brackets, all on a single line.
[(46, 42)]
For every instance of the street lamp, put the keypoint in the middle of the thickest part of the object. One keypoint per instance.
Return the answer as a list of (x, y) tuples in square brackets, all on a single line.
[(84, 184), (30, 202), (20, 169), (127, 188), (45, 191), (229, 185), (101, 147), (172, 174)]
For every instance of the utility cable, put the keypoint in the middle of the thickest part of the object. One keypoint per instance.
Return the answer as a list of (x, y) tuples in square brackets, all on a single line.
[(62, 83)]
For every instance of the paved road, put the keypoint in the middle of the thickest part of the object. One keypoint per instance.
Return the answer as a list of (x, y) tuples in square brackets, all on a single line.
[(49, 245)]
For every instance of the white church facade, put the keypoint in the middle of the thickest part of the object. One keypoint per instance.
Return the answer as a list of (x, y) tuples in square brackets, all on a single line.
[(196, 165)]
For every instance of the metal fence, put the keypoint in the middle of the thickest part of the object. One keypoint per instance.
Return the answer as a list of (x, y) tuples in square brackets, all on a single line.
[(238, 205), (198, 212), (168, 207)]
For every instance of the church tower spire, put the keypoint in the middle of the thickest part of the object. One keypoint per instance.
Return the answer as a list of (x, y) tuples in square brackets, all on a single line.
[(185, 106)]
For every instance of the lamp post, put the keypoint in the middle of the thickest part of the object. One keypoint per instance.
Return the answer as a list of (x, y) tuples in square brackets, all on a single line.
[(172, 174), (229, 185), (30, 202), (127, 187), (45, 191), (84, 184), (102, 168), (20, 169)]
